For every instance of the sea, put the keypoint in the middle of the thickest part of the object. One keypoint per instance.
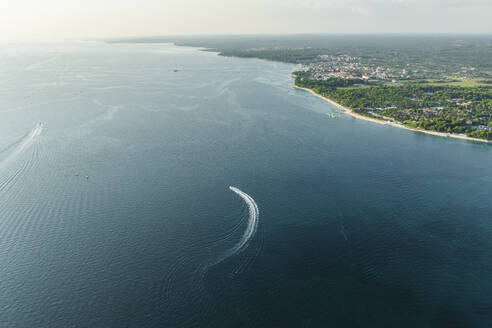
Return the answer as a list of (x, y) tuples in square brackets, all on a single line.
[(150, 185)]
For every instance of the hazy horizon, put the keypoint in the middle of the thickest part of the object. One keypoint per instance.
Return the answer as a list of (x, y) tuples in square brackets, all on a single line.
[(32, 20)]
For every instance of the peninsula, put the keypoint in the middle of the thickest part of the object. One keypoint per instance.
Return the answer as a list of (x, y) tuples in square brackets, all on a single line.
[(437, 84)]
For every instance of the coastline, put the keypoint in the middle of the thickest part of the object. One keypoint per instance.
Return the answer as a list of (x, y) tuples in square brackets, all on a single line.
[(398, 125), (362, 117)]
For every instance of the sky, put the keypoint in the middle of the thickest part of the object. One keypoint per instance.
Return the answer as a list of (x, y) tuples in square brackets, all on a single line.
[(72, 19)]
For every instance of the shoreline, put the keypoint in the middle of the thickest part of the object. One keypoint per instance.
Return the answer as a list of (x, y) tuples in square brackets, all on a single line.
[(362, 117), (398, 125)]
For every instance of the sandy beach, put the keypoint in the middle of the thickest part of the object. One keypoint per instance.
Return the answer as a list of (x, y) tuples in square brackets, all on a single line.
[(362, 117)]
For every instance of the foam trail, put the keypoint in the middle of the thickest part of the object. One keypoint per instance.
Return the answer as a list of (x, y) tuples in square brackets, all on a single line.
[(248, 234), (252, 223), (23, 145)]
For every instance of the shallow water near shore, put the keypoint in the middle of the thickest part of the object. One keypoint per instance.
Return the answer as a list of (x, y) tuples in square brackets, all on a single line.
[(115, 207)]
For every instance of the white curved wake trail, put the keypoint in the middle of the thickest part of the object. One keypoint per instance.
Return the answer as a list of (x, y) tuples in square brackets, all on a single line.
[(248, 234), (254, 214), (23, 145)]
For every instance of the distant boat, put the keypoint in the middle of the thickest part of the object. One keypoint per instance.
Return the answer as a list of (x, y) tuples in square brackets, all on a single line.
[(175, 71)]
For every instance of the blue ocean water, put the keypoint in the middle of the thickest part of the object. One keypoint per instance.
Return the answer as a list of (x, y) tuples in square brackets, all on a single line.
[(115, 207)]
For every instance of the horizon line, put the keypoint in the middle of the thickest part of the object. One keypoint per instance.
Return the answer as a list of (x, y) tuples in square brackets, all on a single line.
[(192, 35)]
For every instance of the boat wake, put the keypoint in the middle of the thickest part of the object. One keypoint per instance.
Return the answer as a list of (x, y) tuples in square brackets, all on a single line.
[(249, 233), (252, 223), (198, 291), (24, 144)]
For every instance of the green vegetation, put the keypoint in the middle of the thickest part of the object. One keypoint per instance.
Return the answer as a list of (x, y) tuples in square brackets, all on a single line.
[(446, 109), (456, 83)]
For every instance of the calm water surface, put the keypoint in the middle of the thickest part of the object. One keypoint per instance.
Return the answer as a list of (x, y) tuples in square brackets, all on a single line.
[(115, 208)]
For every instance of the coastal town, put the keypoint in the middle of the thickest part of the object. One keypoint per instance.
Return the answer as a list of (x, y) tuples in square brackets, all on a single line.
[(374, 92), (352, 67), (347, 67)]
